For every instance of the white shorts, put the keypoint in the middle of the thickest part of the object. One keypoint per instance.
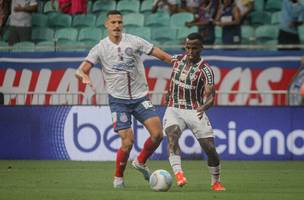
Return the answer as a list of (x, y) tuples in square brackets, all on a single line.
[(188, 119)]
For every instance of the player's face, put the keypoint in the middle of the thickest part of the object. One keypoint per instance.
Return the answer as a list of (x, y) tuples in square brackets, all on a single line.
[(193, 49), (114, 25)]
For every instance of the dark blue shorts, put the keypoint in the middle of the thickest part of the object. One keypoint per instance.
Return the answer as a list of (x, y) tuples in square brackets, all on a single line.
[(123, 109)]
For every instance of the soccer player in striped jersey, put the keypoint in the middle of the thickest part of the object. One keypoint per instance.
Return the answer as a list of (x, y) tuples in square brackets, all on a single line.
[(191, 93), (126, 84)]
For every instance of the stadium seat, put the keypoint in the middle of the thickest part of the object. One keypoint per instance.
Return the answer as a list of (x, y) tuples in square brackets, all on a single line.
[(45, 46), (301, 33), (143, 32), (163, 34), (157, 20), (248, 34), (80, 21), (90, 34), (60, 20), (265, 33), (42, 34), (48, 7), (25, 46), (100, 20), (218, 35), (39, 19), (146, 7), (4, 46), (259, 5), (66, 34), (178, 20), (183, 32), (273, 5), (65, 45), (260, 18), (276, 18), (134, 20), (103, 6), (128, 6)]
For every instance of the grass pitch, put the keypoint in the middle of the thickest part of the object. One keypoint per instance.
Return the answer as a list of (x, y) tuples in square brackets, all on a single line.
[(70, 180)]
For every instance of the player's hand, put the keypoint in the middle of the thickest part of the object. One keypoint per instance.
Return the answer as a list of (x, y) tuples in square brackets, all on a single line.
[(200, 112)]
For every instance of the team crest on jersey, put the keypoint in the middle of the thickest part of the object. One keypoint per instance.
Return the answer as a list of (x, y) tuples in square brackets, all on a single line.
[(129, 51), (123, 117)]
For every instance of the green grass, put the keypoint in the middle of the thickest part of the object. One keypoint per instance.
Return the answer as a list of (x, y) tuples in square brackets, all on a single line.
[(60, 180)]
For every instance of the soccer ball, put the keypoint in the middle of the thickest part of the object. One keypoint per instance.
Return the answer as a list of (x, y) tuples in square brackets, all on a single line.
[(160, 180)]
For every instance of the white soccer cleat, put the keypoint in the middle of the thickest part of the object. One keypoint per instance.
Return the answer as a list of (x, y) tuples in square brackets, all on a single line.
[(118, 183), (142, 168)]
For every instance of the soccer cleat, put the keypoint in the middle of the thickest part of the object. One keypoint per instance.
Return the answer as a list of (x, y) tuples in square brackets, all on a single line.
[(217, 186), (142, 168), (118, 183), (180, 179)]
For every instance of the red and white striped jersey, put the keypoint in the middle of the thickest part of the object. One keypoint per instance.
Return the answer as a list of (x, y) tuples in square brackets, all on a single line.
[(187, 83)]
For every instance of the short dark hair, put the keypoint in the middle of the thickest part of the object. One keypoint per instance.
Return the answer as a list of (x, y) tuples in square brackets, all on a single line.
[(113, 12), (195, 36)]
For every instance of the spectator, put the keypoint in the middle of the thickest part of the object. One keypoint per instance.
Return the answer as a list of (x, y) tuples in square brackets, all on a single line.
[(292, 15), (204, 20), (190, 5), (21, 20), (73, 7), (169, 6), (4, 13), (245, 7), (228, 17)]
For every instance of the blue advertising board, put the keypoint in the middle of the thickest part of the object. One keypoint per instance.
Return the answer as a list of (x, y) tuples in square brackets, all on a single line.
[(86, 133)]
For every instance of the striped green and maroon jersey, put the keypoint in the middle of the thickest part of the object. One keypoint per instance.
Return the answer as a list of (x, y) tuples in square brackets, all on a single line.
[(186, 90)]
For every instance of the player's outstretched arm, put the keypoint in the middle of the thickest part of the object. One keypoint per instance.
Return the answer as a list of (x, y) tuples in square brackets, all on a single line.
[(208, 100), (162, 55)]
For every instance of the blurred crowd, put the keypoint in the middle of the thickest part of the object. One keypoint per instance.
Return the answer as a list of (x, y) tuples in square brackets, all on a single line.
[(229, 15)]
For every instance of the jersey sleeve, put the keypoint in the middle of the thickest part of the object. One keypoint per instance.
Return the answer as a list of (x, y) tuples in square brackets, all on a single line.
[(143, 45), (93, 56), (208, 74)]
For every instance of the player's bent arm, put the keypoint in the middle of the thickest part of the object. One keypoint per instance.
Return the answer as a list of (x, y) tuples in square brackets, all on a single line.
[(208, 100), (162, 55), (83, 71)]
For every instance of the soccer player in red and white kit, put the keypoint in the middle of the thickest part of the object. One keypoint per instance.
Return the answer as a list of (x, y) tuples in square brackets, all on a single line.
[(191, 93), (126, 84)]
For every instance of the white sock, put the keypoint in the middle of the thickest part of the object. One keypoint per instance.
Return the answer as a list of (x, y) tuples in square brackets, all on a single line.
[(215, 173), (175, 162)]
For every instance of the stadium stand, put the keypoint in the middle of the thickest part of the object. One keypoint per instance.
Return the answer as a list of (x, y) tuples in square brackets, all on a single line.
[(134, 20), (90, 34), (39, 19), (59, 20), (157, 20), (45, 46), (42, 34), (144, 32), (103, 6), (128, 6), (25, 46), (65, 34), (80, 21), (138, 20)]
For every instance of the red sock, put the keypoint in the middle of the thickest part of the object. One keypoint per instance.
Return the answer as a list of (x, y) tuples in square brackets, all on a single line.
[(121, 162), (147, 151)]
